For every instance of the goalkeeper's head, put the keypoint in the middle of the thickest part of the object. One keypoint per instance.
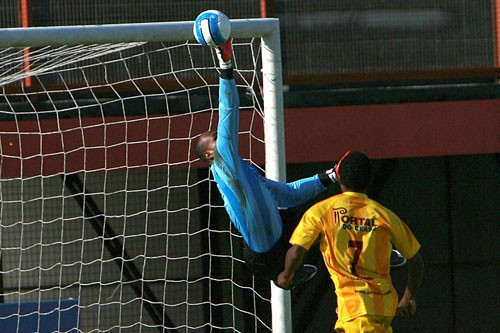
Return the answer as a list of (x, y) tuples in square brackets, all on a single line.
[(205, 146), (354, 172)]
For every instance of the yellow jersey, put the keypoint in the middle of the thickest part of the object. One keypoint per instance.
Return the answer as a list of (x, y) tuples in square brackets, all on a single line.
[(356, 237)]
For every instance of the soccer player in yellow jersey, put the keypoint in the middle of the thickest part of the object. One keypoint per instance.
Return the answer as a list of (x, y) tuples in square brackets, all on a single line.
[(356, 235)]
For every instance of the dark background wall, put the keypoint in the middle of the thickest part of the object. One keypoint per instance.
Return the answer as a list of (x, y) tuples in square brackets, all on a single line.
[(451, 204)]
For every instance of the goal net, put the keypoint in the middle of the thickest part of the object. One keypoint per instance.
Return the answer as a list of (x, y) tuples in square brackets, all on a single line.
[(108, 220)]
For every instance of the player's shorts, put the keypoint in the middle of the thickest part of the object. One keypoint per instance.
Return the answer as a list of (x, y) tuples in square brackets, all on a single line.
[(266, 265), (365, 324)]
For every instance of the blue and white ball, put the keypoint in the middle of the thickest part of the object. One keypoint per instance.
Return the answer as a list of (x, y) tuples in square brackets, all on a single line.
[(212, 28)]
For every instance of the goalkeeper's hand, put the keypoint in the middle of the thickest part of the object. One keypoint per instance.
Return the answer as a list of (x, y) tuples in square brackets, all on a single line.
[(328, 177), (225, 54), (332, 175)]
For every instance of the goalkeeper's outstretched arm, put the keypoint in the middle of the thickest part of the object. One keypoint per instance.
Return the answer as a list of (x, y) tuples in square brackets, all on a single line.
[(205, 147)]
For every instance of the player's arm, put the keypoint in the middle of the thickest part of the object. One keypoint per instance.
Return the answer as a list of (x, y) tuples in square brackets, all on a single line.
[(408, 305), (293, 260), (228, 125), (295, 193), (288, 195), (304, 235)]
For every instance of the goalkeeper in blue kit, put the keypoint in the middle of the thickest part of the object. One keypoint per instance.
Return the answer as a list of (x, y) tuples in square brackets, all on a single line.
[(252, 201)]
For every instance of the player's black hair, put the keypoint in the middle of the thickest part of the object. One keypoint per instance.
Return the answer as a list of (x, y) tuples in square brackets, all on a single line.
[(355, 171)]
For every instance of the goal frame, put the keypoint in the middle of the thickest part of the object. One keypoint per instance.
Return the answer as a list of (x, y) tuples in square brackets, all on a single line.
[(265, 28)]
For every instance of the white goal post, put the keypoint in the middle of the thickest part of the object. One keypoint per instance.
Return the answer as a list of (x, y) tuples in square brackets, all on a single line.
[(40, 37)]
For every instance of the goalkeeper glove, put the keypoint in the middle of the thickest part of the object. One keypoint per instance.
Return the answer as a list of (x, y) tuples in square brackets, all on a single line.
[(225, 54), (328, 177), (332, 175)]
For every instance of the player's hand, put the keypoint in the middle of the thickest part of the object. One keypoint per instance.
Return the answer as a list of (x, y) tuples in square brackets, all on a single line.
[(407, 307), (284, 281), (225, 54)]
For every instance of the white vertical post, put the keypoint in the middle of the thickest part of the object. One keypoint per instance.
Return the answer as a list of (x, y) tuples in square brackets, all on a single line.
[(274, 134), (274, 127)]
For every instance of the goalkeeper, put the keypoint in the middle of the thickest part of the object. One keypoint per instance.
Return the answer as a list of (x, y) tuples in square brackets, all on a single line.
[(250, 199)]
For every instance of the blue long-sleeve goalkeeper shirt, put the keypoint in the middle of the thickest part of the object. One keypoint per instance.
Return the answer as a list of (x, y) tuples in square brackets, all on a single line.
[(250, 199)]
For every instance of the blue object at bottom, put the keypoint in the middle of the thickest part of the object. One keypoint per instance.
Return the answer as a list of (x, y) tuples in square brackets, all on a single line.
[(41, 317)]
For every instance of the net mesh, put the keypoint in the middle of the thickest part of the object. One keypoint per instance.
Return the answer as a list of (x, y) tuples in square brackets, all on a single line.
[(108, 221)]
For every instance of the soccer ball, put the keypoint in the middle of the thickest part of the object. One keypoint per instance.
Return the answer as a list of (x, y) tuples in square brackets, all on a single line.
[(212, 28)]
